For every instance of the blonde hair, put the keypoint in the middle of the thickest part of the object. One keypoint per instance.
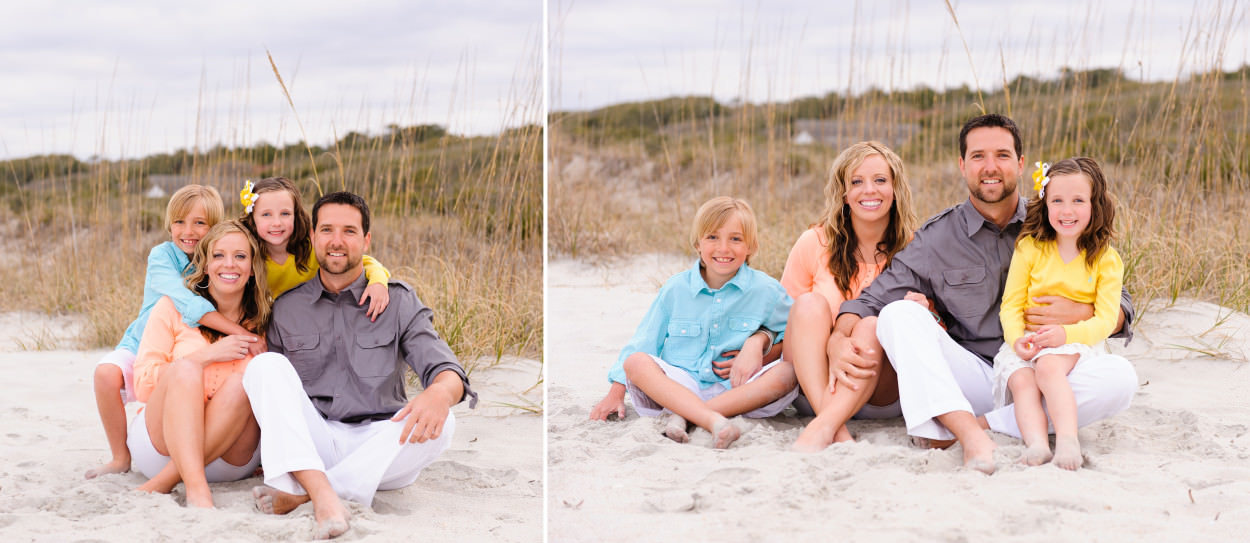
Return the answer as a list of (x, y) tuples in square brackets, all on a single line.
[(716, 212), (836, 220), (256, 302), (185, 198)]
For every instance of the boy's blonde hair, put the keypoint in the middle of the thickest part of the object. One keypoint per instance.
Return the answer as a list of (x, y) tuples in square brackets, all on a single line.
[(715, 212), (181, 202)]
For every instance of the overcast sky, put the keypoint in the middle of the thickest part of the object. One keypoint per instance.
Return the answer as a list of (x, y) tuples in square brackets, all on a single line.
[(128, 78), (605, 51)]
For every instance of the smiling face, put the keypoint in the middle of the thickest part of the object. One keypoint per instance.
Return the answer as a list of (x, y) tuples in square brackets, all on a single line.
[(990, 166), (1068, 204), (274, 217), (229, 265), (722, 251), (339, 240), (189, 229), (870, 190)]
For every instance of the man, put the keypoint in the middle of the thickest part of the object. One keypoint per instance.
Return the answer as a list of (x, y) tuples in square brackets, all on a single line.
[(959, 259), (335, 421)]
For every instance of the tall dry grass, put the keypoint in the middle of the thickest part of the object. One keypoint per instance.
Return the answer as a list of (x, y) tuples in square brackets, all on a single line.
[(627, 178), (459, 218)]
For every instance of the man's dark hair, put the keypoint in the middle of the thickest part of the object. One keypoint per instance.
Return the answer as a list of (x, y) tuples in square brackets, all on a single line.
[(345, 198), (991, 120)]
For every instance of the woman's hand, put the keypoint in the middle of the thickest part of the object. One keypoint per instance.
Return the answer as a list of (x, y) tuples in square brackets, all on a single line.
[(846, 360), (379, 296), (744, 365), (226, 349)]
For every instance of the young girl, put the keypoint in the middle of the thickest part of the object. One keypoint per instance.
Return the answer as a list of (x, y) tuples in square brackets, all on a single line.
[(275, 215), (191, 211), (718, 305), (1064, 250)]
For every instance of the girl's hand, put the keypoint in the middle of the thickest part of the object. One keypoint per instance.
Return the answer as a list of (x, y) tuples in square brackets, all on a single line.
[(379, 296), (1051, 335), (1025, 347), (226, 349)]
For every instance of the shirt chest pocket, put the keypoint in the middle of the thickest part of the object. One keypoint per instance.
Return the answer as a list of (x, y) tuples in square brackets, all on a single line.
[(966, 293), (685, 342), (374, 356), (306, 356)]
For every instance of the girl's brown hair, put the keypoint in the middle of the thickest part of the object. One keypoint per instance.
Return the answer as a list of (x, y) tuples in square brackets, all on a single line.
[(836, 220), (256, 302), (1101, 229), (299, 244)]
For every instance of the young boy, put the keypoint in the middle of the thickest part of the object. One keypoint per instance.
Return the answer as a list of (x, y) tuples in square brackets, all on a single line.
[(700, 315)]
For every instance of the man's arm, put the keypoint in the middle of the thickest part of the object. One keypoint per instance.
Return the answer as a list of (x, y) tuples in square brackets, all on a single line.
[(1060, 310)]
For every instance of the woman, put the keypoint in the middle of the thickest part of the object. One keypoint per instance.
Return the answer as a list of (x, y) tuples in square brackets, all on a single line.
[(196, 412), (867, 220)]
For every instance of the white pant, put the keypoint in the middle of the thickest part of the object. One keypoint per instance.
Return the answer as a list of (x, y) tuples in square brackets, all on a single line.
[(936, 376), (358, 459), (149, 461), (125, 361), (647, 407)]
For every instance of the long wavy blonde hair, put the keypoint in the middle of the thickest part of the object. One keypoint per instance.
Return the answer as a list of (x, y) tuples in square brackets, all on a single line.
[(835, 222), (256, 302)]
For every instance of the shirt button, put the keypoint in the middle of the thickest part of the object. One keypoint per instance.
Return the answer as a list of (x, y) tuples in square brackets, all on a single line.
[(715, 326), (683, 330), (718, 300)]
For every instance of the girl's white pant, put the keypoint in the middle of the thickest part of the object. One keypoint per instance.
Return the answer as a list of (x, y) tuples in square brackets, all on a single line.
[(936, 376), (358, 459)]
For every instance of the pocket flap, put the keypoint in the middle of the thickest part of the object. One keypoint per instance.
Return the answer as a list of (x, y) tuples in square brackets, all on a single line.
[(964, 276), (302, 343), (684, 329), (369, 341), (743, 324)]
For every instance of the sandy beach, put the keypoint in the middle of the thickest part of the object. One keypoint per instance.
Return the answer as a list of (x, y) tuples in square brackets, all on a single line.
[(487, 487), (1175, 466)]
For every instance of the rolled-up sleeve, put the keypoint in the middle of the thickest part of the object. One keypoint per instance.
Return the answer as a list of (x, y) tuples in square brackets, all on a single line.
[(422, 348)]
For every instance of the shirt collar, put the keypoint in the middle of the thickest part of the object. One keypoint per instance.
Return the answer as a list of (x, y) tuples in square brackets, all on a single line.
[(975, 221), (356, 288), (740, 280)]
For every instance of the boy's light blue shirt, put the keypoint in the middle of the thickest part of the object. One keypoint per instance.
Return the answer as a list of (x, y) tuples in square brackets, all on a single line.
[(689, 325), (166, 266)]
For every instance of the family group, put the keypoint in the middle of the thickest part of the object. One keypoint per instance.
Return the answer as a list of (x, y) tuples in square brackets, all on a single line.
[(989, 316), (271, 343)]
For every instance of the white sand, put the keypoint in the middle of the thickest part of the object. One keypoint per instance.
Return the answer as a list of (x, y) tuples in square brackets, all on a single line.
[(487, 487), (1174, 467)]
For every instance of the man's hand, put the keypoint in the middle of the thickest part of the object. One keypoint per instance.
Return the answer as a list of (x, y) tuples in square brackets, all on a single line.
[(424, 415), (379, 296), (613, 402), (846, 360), (1055, 310)]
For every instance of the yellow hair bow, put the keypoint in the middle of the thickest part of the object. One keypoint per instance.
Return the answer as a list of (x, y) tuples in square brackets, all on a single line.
[(1040, 180), (247, 197)]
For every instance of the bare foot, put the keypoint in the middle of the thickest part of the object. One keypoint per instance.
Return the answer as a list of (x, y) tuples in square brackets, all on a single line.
[(926, 443), (725, 433), (202, 499), (816, 437), (333, 519), (155, 487), (979, 453), (272, 501), (1068, 453), (1037, 454), (843, 435), (116, 466), (675, 428)]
